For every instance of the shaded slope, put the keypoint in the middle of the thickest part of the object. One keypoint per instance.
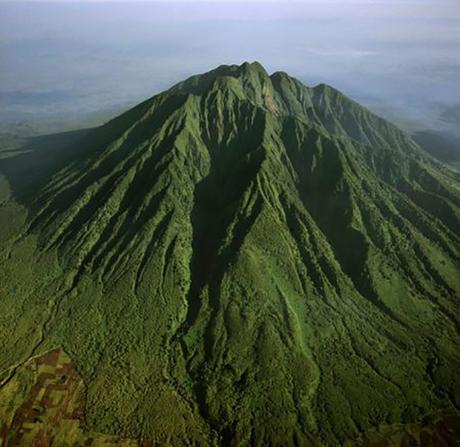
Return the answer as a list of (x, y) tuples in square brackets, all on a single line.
[(245, 260)]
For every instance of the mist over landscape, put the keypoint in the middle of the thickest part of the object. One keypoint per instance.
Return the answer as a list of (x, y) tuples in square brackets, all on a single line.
[(63, 61)]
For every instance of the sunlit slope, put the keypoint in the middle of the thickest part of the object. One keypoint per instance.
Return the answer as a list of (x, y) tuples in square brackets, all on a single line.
[(245, 260)]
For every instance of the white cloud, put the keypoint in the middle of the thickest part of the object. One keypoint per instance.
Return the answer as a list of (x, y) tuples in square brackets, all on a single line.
[(347, 52)]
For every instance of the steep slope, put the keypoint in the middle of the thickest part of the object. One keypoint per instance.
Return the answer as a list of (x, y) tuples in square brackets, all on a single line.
[(242, 260)]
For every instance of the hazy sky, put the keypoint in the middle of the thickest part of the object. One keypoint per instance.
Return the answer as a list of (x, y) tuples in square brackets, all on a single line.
[(69, 58), (225, 1)]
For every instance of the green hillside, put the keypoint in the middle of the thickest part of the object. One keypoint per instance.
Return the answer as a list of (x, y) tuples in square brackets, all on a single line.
[(240, 260)]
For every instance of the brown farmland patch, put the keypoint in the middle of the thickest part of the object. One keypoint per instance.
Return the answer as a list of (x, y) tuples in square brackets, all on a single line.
[(440, 430), (42, 404)]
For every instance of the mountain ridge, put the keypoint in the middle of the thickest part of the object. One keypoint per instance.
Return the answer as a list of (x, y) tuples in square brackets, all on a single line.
[(244, 260)]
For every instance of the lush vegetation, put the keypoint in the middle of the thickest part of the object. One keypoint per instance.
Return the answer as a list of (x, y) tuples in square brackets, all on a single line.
[(239, 260)]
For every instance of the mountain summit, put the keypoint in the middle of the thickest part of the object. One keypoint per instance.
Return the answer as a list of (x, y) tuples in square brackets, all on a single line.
[(242, 260)]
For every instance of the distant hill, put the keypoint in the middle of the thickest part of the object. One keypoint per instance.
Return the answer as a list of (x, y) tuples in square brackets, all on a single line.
[(444, 147), (239, 260)]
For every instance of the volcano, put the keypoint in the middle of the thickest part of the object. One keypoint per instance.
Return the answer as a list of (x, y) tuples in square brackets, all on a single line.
[(239, 260)]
